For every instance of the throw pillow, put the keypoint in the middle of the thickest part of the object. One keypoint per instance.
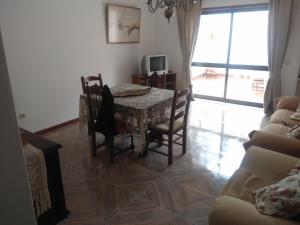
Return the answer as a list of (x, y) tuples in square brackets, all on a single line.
[(281, 199), (296, 169), (287, 102), (294, 132)]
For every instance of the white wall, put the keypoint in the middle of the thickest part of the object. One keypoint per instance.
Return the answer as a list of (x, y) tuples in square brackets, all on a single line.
[(51, 43), (15, 204)]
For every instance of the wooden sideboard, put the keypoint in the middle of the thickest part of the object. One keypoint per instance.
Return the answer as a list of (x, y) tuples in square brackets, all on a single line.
[(167, 80)]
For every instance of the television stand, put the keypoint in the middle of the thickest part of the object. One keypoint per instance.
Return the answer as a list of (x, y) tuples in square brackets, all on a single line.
[(166, 80)]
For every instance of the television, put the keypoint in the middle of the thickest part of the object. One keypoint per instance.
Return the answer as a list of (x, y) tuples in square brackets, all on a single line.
[(155, 63)]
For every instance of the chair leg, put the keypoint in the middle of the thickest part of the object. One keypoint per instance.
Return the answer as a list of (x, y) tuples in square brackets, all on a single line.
[(170, 149), (90, 127), (159, 139), (184, 141), (147, 142), (131, 143), (93, 137), (111, 149), (106, 140)]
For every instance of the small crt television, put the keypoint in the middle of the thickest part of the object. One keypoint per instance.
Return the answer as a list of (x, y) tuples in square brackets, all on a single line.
[(155, 63)]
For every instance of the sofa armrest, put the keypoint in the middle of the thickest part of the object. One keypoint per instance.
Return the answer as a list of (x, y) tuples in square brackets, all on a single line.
[(233, 211), (287, 102), (278, 143), (268, 163)]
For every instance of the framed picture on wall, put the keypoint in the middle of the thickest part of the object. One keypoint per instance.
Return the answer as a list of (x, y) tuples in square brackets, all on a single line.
[(123, 24)]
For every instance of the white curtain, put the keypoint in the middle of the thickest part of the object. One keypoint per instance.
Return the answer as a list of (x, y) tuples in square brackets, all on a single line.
[(188, 23), (278, 33), (291, 65)]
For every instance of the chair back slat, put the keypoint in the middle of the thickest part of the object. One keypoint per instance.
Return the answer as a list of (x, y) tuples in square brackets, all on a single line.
[(181, 104), (94, 94), (180, 107), (179, 115), (91, 80)]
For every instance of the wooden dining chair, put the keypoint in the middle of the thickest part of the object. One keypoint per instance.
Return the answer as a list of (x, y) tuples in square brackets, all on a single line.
[(94, 98), (108, 125), (86, 81), (175, 128)]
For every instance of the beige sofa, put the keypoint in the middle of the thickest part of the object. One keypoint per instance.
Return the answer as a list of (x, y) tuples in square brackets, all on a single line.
[(274, 134), (260, 167)]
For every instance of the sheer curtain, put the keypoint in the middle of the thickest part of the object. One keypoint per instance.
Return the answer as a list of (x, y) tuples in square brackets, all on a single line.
[(188, 23), (278, 33)]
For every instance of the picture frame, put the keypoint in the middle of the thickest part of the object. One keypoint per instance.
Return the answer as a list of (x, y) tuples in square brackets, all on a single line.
[(123, 24)]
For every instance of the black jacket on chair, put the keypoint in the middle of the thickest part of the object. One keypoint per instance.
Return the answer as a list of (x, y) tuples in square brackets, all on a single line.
[(106, 120)]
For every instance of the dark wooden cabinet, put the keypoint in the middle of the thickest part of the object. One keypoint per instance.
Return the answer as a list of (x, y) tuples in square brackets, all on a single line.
[(167, 81)]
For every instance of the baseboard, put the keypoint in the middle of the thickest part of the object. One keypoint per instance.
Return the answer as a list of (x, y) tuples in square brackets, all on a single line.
[(40, 132)]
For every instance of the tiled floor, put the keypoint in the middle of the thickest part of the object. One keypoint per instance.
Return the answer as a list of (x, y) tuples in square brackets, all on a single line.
[(146, 191)]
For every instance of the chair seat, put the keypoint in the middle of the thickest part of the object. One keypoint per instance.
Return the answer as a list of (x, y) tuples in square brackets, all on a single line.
[(164, 127)]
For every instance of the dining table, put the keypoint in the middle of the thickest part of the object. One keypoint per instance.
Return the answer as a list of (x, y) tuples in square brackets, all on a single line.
[(138, 106)]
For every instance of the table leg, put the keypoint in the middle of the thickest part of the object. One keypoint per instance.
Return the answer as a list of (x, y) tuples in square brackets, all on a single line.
[(143, 129)]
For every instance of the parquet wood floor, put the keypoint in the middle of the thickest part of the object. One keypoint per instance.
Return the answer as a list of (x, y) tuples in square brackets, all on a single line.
[(145, 191)]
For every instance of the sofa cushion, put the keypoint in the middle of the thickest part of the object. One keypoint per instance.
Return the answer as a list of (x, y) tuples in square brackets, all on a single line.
[(287, 102), (281, 116), (281, 199), (275, 128)]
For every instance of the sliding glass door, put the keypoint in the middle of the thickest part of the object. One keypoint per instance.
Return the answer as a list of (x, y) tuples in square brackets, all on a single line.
[(230, 58)]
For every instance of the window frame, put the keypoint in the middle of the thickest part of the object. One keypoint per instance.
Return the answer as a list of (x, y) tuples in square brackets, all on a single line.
[(227, 66)]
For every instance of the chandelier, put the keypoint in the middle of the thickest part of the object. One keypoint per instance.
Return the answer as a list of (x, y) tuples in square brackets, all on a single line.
[(170, 5)]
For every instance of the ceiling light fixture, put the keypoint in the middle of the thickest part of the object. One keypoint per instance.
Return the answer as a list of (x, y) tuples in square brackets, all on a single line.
[(170, 5)]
